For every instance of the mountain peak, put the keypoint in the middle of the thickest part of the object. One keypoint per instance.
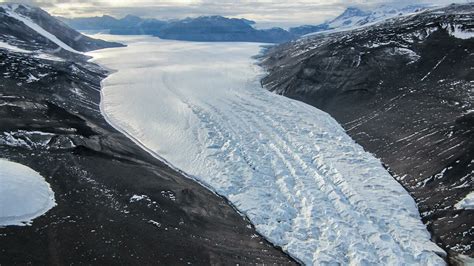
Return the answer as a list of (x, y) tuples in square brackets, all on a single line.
[(353, 12), (131, 19), (354, 17)]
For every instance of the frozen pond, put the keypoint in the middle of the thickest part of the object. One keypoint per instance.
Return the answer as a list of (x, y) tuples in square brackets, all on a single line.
[(24, 194)]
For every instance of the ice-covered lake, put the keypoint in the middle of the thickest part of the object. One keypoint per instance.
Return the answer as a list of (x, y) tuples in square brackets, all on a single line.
[(289, 167), (24, 194)]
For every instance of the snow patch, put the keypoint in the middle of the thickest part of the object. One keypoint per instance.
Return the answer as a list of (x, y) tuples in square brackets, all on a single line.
[(457, 31), (12, 48), (31, 78), (136, 198), (49, 57), (408, 53), (36, 54), (289, 167), (24, 194), (26, 139), (155, 223), (466, 203)]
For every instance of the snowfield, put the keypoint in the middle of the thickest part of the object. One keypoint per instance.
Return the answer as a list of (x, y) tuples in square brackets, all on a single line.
[(24, 194), (289, 167)]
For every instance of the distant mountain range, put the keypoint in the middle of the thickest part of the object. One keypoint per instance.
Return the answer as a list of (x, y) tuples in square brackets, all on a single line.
[(355, 17), (218, 28), (208, 28)]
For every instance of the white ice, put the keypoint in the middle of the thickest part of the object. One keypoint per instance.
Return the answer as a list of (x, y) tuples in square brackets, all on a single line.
[(289, 167), (24, 194), (466, 203), (11, 11)]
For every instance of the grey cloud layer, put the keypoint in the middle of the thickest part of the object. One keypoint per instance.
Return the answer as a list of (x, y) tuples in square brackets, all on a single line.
[(283, 13)]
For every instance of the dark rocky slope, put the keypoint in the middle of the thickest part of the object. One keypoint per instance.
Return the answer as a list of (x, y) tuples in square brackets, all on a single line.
[(116, 203), (403, 89)]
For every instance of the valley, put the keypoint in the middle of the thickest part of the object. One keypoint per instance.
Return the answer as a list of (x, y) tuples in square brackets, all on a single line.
[(207, 140), (290, 168)]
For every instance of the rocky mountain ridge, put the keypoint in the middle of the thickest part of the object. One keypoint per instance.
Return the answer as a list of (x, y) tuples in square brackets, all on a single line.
[(354, 17)]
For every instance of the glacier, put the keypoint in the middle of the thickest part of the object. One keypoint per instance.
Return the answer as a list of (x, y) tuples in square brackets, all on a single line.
[(289, 167), (24, 194)]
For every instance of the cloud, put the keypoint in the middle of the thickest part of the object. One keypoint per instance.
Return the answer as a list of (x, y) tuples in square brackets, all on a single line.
[(271, 12)]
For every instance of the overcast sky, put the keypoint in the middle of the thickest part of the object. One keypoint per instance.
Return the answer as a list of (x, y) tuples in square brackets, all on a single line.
[(266, 12)]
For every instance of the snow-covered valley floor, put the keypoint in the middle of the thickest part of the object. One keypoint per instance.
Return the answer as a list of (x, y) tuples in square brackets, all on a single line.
[(289, 167)]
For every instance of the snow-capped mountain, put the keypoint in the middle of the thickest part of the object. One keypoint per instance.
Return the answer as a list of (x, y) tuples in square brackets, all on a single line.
[(89, 194), (403, 90), (43, 32), (355, 17)]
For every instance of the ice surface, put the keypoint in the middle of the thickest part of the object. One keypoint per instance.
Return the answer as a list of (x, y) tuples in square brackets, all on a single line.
[(466, 203), (289, 167), (24, 194), (10, 10)]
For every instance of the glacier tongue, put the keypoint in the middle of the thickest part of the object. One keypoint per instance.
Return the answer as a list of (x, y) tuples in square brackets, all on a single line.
[(289, 167)]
